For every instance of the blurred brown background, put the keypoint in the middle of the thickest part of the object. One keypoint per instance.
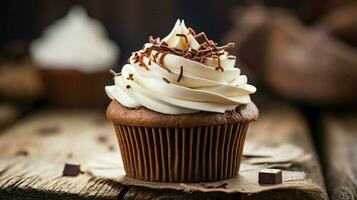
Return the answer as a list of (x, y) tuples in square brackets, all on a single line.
[(301, 52)]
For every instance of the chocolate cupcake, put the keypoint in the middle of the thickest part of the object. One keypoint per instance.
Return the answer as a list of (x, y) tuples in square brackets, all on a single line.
[(73, 58), (181, 109)]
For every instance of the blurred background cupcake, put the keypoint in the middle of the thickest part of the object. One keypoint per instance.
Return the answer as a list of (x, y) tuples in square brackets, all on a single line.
[(73, 56)]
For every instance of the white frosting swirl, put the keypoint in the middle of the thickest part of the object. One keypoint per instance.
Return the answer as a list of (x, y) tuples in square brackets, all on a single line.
[(201, 88), (75, 42)]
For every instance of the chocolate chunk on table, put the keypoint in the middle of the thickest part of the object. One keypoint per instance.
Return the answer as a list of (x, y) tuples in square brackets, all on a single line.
[(71, 170), (270, 176)]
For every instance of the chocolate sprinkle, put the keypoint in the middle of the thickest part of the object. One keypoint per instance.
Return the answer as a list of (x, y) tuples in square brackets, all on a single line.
[(128, 86), (184, 36), (167, 81), (130, 77), (114, 73), (181, 74), (161, 62)]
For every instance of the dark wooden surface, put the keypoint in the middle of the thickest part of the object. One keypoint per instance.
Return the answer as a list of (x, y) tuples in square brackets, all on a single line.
[(340, 153), (32, 154)]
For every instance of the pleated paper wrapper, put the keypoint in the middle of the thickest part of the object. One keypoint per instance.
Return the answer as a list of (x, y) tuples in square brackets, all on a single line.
[(196, 154)]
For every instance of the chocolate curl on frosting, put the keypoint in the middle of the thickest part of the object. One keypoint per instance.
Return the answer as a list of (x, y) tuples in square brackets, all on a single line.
[(184, 36), (114, 73), (207, 49), (181, 74)]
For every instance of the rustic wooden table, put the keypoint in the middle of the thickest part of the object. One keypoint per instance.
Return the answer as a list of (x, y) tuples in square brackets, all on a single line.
[(34, 150), (340, 154)]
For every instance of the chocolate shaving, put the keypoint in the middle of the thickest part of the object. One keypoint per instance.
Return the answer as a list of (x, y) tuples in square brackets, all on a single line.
[(184, 36), (229, 45), (167, 81), (219, 67), (161, 62), (114, 73), (181, 74), (162, 48), (207, 49), (191, 31), (201, 38)]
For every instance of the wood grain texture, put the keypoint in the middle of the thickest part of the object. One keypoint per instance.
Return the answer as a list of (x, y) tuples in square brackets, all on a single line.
[(340, 153), (33, 153)]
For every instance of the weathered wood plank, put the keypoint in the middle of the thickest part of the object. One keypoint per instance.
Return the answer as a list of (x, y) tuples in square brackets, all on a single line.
[(340, 155), (33, 153)]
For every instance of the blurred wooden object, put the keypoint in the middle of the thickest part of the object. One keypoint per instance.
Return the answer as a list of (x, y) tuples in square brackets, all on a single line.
[(311, 10), (341, 155), (8, 114), (19, 81), (250, 33), (33, 153), (284, 57), (341, 22), (309, 66)]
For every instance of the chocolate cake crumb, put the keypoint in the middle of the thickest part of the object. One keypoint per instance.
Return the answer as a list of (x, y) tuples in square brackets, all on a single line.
[(22, 152), (48, 130), (102, 139)]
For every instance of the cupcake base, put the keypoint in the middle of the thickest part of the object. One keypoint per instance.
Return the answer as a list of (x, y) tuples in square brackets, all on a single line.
[(196, 154), (199, 147)]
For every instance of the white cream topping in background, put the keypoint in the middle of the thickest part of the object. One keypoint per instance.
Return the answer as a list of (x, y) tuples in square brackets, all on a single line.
[(75, 42), (201, 88)]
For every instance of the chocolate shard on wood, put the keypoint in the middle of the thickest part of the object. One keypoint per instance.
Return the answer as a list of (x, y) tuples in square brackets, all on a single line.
[(270, 176), (71, 170)]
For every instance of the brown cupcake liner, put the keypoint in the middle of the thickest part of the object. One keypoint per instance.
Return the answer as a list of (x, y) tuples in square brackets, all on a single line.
[(72, 88), (197, 154)]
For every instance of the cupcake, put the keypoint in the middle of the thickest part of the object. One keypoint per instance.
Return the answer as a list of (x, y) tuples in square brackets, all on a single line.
[(73, 57), (181, 109)]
